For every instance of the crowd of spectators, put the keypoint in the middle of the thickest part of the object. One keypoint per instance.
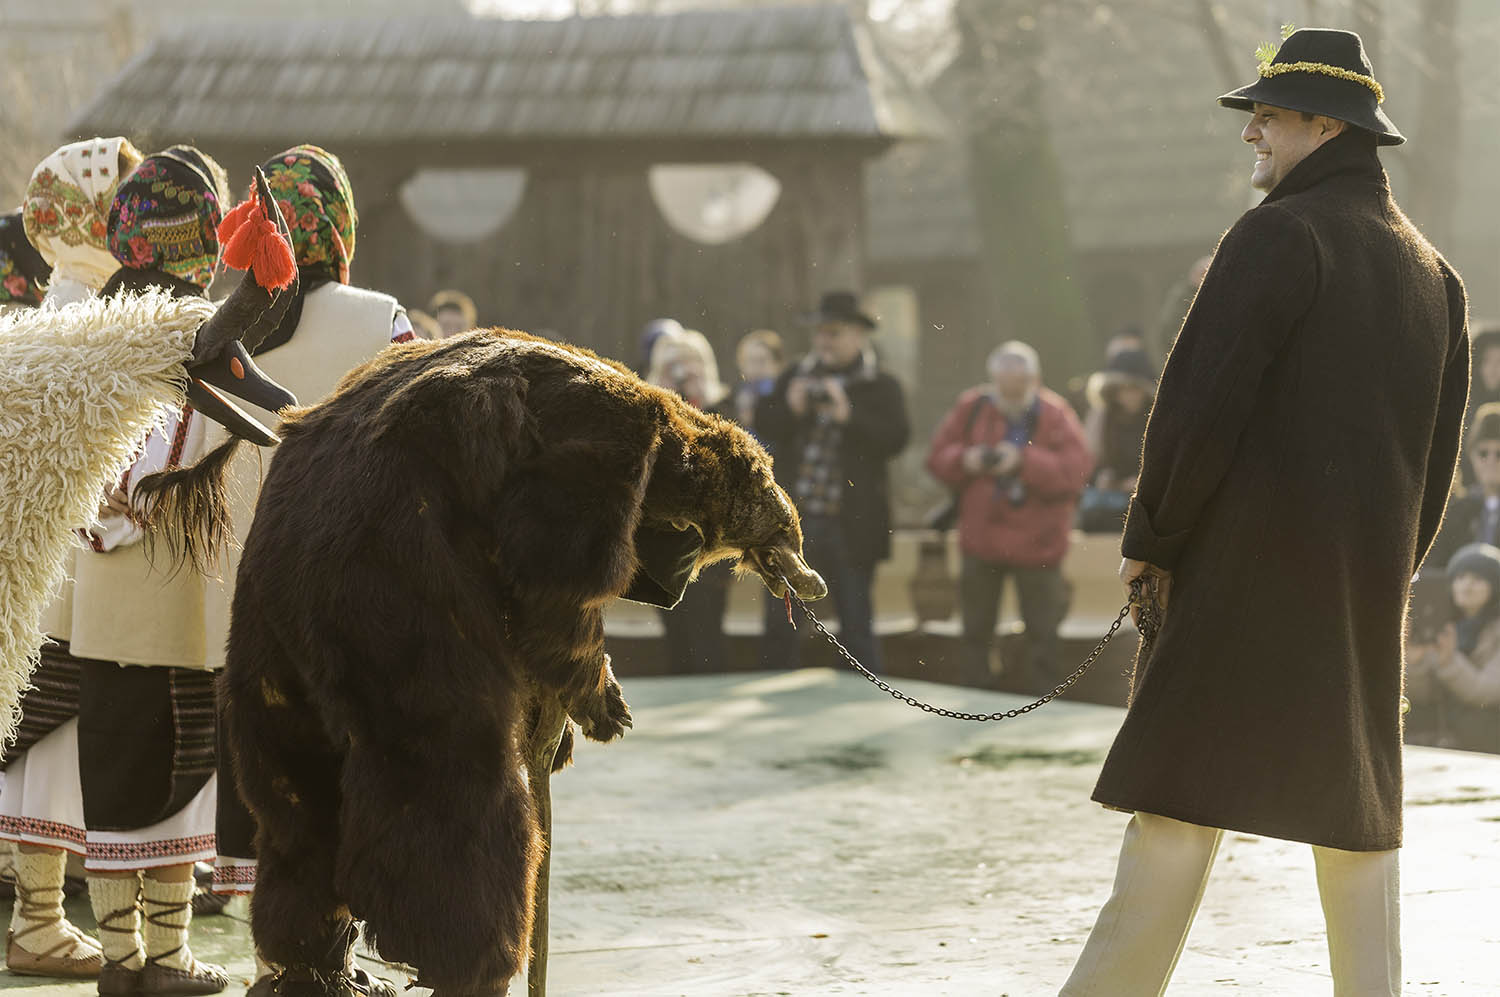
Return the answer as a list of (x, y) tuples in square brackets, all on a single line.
[(1015, 454), (1028, 468), (1453, 638)]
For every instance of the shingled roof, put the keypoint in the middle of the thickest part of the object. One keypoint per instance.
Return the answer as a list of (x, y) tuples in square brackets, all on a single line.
[(792, 73)]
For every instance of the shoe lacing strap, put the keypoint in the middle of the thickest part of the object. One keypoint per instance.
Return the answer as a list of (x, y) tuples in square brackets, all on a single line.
[(168, 910), (42, 914), (107, 923)]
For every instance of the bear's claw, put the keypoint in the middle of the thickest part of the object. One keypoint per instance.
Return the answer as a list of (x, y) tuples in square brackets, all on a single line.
[(607, 716)]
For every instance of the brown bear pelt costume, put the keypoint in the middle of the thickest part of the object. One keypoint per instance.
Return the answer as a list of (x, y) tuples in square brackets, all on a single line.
[(434, 540)]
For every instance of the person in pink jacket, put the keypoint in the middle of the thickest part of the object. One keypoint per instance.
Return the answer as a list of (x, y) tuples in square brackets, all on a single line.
[(1015, 453)]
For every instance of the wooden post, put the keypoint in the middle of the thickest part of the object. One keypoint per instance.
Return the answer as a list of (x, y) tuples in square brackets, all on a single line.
[(544, 741)]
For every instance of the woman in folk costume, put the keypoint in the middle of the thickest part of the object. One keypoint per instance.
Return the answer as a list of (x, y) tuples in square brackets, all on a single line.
[(23, 281), (65, 215), (83, 384), (146, 720), (329, 328), (23, 272)]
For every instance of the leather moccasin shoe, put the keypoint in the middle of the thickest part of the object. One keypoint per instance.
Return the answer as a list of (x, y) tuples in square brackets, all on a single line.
[(118, 981), (59, 962), (169, 981)]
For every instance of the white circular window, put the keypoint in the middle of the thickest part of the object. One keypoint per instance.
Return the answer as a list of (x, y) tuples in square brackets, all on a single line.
[(713, 204), (462, 205)]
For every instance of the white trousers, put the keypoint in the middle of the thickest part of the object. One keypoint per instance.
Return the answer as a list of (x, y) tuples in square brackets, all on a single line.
[(1164, 866)]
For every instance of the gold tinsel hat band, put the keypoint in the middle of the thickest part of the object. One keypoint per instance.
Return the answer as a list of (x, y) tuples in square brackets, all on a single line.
[(1269, 69), (1296, 75)]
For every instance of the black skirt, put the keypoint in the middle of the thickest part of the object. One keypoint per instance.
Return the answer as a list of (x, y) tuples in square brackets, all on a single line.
[(146, 742)]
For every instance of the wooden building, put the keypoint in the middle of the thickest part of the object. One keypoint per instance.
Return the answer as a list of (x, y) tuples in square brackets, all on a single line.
[(584, 108)]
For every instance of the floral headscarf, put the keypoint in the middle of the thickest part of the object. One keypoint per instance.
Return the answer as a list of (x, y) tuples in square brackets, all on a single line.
[(66, 210), (165, 216), (22, 269), (313, 191)]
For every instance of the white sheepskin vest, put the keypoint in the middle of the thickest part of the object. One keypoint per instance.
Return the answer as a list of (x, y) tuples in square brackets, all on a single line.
[(80, 386)]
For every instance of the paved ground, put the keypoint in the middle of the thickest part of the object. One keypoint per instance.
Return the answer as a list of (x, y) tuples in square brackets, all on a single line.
[(799, 834)]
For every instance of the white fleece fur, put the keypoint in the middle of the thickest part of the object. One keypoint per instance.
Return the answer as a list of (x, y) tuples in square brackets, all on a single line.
[(80, 386)]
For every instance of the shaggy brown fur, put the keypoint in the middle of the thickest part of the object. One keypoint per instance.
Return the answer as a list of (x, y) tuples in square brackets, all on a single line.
[(433, 543)]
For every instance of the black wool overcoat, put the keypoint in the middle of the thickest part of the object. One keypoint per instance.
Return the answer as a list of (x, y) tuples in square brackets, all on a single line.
[(1296, 466)]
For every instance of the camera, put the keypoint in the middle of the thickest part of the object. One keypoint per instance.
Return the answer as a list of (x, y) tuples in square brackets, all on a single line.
[(818, 394), (1009, 485)]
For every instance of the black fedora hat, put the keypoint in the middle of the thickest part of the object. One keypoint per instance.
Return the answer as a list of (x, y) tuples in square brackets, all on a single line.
[(840, 306), (1321, 71)]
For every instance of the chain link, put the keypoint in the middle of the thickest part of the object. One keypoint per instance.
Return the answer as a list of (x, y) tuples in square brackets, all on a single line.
[(942, 711)]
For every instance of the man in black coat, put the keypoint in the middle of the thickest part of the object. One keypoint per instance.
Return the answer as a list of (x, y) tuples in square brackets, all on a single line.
[(1295, 470), (834, 421)]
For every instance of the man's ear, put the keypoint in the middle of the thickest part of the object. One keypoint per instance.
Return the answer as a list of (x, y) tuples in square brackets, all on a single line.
[(1331, 127)]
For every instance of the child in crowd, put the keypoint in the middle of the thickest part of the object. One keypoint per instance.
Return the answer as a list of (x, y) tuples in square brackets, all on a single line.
[(1457, 675)]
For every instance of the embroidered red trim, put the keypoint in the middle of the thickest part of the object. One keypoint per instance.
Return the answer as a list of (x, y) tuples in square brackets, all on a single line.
[(122, 851), (42, 828), (179, 438)]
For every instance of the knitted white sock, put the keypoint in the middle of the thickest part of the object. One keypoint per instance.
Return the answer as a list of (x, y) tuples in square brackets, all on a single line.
[(117, 908), (38, 923), (169, 911)]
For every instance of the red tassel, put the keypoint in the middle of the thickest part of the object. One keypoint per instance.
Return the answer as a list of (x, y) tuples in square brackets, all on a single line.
[(239, 250), (274, 265), (236, 217), (257, 246)]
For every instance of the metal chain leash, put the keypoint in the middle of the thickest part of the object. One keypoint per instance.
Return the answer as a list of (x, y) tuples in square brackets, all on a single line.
[(1143, 592)]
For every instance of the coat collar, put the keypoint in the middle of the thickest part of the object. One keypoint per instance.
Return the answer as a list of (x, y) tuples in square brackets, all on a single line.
[(1352, 154)]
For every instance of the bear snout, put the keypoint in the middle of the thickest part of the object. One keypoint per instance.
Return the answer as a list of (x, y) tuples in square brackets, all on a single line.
[(773, 564)]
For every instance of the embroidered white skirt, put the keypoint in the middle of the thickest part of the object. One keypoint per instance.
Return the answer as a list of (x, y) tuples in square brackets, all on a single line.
[(186, 836), (42, 802)]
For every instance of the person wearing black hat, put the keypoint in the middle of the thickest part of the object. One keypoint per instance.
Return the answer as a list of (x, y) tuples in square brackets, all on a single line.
[(834, 420), (1296, 466), (1474, 517)]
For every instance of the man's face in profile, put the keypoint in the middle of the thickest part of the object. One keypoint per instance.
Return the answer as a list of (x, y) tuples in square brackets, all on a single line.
[(1282, 139)]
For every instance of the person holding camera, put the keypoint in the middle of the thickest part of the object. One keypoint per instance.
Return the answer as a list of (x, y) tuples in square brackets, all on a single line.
[(1015, 454), (834, 420)]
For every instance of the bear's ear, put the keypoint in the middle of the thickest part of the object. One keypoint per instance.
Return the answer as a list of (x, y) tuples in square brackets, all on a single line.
[(468, 419)]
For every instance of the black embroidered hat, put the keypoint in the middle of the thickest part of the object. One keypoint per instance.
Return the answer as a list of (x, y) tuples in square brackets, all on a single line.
[(1320, 71), (840, 306)]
